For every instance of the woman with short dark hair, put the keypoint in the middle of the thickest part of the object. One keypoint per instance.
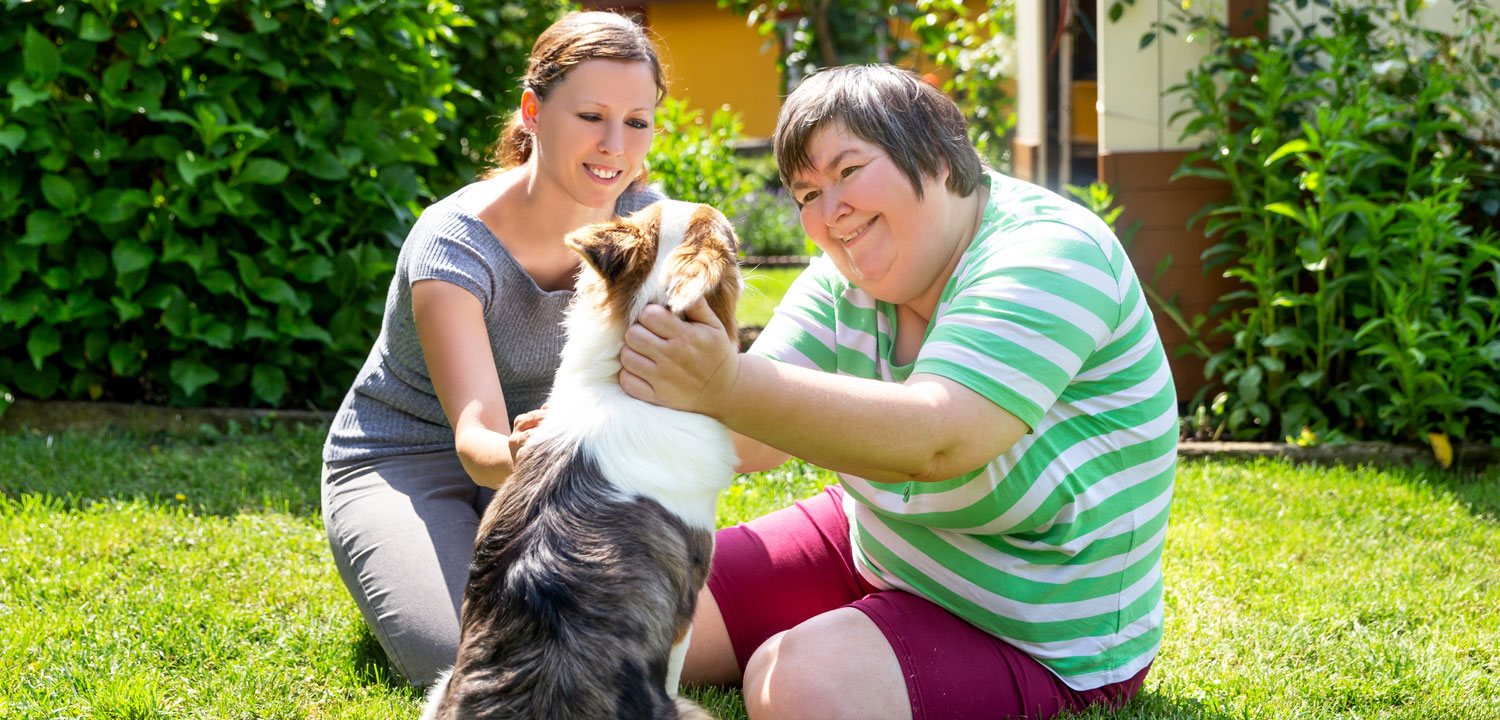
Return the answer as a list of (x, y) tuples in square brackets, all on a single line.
[(974, 356)]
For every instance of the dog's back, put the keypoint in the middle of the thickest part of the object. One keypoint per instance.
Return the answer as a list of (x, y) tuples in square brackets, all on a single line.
[(575, 597), (591, 556)]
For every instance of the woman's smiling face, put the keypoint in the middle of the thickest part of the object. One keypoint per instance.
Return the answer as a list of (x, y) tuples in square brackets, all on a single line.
[(862, 211), (594, 128)]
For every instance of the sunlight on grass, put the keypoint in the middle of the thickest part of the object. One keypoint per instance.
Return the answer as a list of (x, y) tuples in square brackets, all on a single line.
[(764, 288), (1291, 591)]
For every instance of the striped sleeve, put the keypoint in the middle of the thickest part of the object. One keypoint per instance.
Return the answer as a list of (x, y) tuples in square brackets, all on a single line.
[(801, 332), (1024, 317)]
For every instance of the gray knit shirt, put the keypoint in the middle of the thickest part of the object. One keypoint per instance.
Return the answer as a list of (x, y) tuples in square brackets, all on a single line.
[(392, 408)]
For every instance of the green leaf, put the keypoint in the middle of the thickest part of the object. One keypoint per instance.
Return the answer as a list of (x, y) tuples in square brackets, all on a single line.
[(43, 61), (312, 269), (11, 137), (1282, 208), (191, 375), (59, 192), (217, 281), (263, 22), (325, 166), (1249, 384), (193, 166), (128, 309), (218, 334), (231, 198), (274, 69), (93, 29), (22, 96), (130, 256), (276, 290), (57, 278), (96, 344), (45, 227), (1286, 337), (1294, 146), (43, 342), (268, 382), (113, 205), (124, 359), (262, 171)]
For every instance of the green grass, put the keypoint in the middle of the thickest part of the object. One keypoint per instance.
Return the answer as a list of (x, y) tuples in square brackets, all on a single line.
[(764, 288), (150, 577)]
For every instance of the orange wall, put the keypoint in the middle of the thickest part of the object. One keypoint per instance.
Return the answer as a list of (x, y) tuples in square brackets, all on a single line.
[(714, 59)]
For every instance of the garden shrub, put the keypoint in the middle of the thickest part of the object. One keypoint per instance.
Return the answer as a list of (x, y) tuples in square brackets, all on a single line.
[(1361, 155), (979, 53), (692, 157), (204, 199), (488, 51)]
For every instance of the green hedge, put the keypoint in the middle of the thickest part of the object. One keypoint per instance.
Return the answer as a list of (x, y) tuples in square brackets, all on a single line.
[(200, 202)]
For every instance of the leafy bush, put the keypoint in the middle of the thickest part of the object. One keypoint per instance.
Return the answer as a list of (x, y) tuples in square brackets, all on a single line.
[(980, 53), (489, 46), (203, 198), (692, 157), (1361, 223)]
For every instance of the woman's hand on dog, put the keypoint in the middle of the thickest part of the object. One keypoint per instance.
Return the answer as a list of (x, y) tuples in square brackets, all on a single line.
[(684, 363), (521, 431)]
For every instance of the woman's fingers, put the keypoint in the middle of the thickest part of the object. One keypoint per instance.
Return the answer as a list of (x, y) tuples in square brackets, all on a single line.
[(700, 312)]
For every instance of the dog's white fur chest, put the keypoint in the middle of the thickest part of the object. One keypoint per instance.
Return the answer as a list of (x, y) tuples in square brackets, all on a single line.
[(679, 459)]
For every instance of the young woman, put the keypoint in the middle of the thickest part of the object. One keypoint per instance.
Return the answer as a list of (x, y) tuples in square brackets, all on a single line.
[(974, 356), (472, 332)]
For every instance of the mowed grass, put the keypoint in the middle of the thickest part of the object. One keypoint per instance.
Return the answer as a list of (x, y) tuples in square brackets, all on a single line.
[(764, 288), (151, 577)]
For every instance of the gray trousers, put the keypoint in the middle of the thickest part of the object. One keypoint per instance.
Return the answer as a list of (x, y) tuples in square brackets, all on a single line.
[(402, 532)]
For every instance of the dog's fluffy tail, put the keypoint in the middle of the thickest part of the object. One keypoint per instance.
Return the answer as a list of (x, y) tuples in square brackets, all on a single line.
[(689, 710)]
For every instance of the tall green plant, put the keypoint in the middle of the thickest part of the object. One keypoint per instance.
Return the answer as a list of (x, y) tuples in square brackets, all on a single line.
[(1340, 150)]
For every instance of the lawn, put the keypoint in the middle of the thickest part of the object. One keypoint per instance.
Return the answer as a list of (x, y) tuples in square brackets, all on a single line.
[(154, 577), (764, 287)]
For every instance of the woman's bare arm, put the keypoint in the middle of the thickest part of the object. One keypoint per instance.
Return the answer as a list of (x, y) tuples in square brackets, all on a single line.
[(456, 344)]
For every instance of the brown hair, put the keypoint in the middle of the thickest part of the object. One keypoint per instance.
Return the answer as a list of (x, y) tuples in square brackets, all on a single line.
[(915, 123), (571, 40)]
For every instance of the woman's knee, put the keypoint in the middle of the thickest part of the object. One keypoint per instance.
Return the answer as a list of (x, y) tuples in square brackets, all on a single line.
[(835, 665)]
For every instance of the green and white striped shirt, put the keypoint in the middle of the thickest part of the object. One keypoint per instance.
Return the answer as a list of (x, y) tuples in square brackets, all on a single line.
[(1055, 546)]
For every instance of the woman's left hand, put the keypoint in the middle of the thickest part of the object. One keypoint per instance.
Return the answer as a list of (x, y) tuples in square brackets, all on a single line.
[(686, 363)]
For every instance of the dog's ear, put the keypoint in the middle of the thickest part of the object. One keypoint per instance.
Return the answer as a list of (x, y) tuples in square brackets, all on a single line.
[(606, 247), (706, 265)]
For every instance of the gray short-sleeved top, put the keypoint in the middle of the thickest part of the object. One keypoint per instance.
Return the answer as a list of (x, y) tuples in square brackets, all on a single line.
[(392, 408)]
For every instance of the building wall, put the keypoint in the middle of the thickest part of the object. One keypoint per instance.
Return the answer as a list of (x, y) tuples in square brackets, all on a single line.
[(715, 59)]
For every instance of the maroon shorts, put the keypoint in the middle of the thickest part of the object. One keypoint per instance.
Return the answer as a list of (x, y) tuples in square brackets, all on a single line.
[(776, 571)]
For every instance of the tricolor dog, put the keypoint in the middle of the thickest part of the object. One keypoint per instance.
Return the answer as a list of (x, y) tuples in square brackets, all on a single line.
[(590, 557)]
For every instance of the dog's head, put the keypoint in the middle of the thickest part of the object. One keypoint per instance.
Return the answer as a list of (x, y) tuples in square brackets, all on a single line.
[(671, 253)]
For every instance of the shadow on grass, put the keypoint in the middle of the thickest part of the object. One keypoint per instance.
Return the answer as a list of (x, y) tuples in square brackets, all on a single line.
[(1476, 489), (371, 666), (208, 472)]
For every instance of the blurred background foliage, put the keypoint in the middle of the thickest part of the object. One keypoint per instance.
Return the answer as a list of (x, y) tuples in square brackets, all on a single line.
[(201, 201), (1362, 154)]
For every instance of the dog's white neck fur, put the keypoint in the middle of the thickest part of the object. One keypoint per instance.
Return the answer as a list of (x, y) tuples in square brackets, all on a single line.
[(681, 460)]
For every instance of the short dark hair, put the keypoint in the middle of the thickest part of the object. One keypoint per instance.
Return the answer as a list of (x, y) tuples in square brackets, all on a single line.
[(914, 122)]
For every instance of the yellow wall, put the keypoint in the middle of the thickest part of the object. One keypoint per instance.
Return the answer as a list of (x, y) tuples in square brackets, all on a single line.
[(714, 59)]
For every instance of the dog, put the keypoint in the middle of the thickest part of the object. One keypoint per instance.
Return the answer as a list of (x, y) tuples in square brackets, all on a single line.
[(590, 557)]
